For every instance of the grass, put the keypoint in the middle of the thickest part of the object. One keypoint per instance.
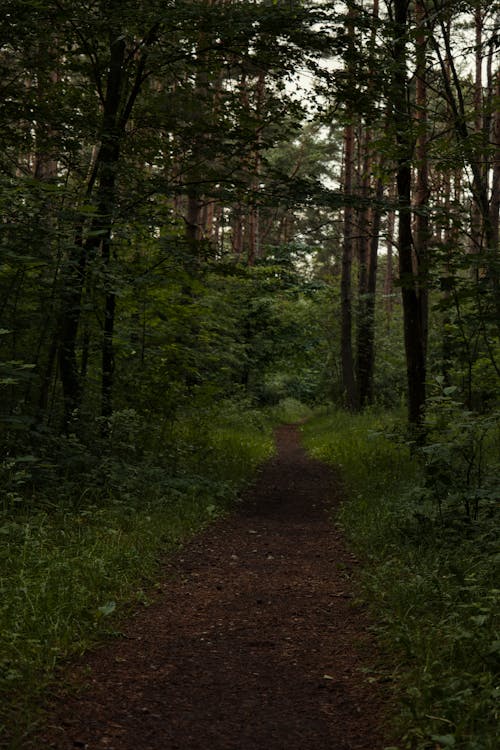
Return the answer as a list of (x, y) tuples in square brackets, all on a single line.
[(432, 580), (70, 567), (290, 410)]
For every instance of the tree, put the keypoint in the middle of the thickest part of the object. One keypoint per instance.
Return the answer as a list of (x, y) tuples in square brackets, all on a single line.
[(118, 123), (412, 301), (347, 356)]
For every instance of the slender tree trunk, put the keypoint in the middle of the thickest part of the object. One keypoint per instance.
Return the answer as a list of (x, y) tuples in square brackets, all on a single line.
[(194, 218), (45, 161), (474, 153), (364, 347), (99, 236), (493, 222), (476, 235), (237, 231), (412, 312), (254, 232), (68, 329), (495, 170), (368, 231), (447, 237), (422, 190), (108, 360), (118, 105), (346, 347), (389, 268), (366, 325), (347, 358)]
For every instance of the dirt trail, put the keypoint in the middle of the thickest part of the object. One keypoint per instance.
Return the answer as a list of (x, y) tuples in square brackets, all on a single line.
[(253, 644)]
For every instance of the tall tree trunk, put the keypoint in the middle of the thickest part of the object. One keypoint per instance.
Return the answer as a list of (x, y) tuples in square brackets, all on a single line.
[(346, 348), (389, 268), (474, 152), (254, 231), (493, 222), (368, 231), (118, 105), (421, 238), (98, 236), (366, 324), (446, 235), (495, 170), (476, 235), (347, 359), (364, 347), (237, 231), (108, 359), (194, 218), (412, 312)]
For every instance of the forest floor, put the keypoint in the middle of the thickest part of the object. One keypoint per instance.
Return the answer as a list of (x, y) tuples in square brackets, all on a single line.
[(254, 642)]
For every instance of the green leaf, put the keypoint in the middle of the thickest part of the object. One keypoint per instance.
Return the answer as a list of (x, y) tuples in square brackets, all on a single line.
[(107, 609), (445, 740), (479, 619)]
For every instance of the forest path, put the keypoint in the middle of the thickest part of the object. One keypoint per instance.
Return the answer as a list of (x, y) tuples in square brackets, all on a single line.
[(254, 642)]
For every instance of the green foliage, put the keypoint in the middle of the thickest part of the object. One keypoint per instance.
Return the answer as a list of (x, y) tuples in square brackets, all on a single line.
[(71, 565), (289, 411), (351, 441), (389, 378), (202, 94), (461, 456), (433, 586)]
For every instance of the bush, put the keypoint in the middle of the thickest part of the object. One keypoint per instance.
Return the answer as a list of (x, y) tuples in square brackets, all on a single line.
[(433, 585), (82, 544), (290, 410)]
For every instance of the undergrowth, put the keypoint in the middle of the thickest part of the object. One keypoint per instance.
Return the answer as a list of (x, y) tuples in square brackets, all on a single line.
[(82, 545), (290, 410), (431, 573)]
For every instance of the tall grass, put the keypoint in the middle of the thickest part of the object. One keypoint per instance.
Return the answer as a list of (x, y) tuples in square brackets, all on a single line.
[(70, 565), (290, 410), (433, 584)]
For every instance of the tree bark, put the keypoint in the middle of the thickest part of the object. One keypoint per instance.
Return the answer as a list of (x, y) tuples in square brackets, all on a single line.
[(366, 324), (412, 311), (99, 236), (389, 269), (422, 189), (346, 348), (495, 187)]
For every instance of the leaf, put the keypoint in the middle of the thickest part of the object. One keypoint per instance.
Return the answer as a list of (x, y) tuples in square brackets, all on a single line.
[(479, 619), (445, 740), (107, 609)]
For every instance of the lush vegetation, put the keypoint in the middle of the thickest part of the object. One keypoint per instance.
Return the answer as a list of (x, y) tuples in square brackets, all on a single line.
[(212, 211), (71, 565), (430, 572)]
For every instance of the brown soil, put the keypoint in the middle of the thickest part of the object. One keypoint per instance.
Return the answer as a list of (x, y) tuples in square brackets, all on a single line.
[(255, 642)]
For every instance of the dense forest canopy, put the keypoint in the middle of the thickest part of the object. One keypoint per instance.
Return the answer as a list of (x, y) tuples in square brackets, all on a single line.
[(203, 200)]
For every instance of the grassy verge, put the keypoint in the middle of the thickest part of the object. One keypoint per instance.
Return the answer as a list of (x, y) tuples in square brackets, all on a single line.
[(288, 411), (433, 582), (72, 561)]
